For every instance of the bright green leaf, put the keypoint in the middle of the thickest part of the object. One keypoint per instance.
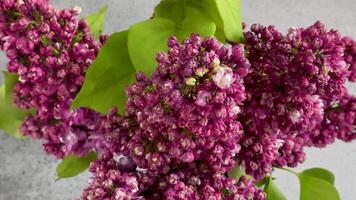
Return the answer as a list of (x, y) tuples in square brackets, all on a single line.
[(74, 165), (219, 34), (312, 188), (201, 26), (320, 173), (10, 81), (231, 17), (225, 14), (316, 183), (9, 121), (146, 39), (96, 22), (272, 191), (170, 9), (236, 173), (107, 78), (205, 8)]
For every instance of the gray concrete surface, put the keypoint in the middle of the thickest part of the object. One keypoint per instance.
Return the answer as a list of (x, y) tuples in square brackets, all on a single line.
[(26, 173)]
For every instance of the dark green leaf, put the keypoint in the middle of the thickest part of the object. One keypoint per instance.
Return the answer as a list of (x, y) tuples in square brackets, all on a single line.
[(107, 78), (231, 18), (96, 22), (236, 173), (320, 173), (74, 165), (272, 191), (312, 188)]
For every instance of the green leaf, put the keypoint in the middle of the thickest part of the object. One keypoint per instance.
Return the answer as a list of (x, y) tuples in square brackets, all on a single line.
[(320, 173), (11, 117), (262, 182), (170, 9), (312, 188), (74, 165), (96, 22), (143, 50), (9, 121), (236, 173), (230, 14), (10, 81), (316, 183), (272, 191), (146, 39), (195, 25), (107, 78)]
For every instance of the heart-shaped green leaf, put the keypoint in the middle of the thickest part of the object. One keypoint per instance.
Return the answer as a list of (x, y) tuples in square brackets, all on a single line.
[(96, 22), (107, 78), (312, 188), (316, 183), (320, 173), (73, 165), (272, 191)]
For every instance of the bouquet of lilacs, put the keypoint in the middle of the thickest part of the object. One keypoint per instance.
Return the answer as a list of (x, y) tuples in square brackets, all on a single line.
[(188, 105)]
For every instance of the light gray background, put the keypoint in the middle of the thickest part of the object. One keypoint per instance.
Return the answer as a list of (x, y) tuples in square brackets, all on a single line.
[(26, 173)]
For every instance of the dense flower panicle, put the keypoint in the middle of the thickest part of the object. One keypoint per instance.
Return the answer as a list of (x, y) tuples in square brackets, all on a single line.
[(113, 180), (339, 122), (185, 184), (187, 111), (180, 132), (296, 79), (291, 152), (205, 109), (50, 50), (258, 154)]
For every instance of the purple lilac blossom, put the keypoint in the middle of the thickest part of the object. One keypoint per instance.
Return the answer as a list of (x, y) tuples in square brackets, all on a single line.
[(50, 50), (194, 95), (113, 180), (180, 132), (296, 95)]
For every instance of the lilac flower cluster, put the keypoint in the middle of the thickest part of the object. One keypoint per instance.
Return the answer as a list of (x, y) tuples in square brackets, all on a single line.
[(50, 50), (180, 132), (114, 180), (296, 95), (206, 109)]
